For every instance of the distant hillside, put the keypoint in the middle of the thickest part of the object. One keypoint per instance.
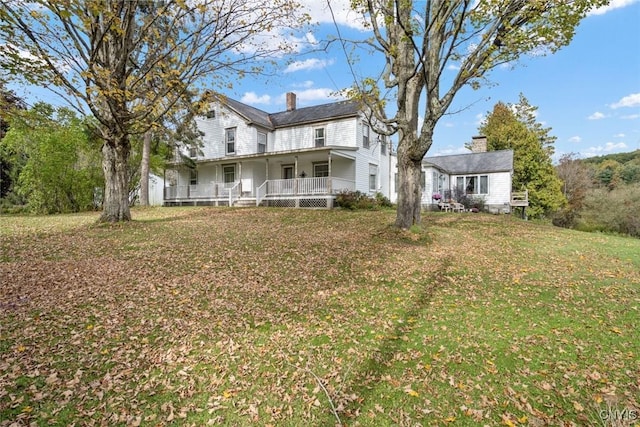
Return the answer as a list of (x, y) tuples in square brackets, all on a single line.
[(621, 158)]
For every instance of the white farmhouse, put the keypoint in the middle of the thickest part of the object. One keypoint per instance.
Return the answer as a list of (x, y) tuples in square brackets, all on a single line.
[(303, 157)]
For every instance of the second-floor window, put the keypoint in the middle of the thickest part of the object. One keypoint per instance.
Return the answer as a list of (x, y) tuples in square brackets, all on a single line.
[(365, 136), (383, 144), (319, 137), (230, 141), (262, 142), (193, 152)]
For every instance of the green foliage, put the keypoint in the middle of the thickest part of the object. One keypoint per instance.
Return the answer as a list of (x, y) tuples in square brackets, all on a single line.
[(613, 211), (56, 168), (513, 127), (356, 200)]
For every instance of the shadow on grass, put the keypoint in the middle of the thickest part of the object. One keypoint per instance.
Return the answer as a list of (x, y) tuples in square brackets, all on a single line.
[(381, 360)]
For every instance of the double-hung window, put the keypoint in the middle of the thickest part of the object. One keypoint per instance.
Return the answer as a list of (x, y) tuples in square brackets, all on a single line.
[(365, 136), (193, 177), (262, 142), (230, 141), (373, 177), (319, 137), (228, 175), (320, 170)]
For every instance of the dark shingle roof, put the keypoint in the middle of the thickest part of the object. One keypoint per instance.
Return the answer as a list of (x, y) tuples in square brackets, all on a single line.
[(315, 113), (293, 117), (250, 113), (490, 161)]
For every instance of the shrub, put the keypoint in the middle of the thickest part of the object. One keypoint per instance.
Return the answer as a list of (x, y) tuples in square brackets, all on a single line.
[(353, 200)]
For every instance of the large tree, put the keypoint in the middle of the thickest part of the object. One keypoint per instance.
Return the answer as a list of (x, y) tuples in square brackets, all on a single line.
[(130, 62), (422, 40)]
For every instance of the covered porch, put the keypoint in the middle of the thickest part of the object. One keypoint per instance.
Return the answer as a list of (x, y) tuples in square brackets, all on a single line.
[(290, 179)]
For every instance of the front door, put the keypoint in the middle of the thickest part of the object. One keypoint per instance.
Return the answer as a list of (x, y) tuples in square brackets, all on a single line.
[(287, 174)]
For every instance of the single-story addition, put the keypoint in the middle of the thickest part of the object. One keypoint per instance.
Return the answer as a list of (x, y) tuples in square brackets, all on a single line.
[(480, 174), (301, 157)]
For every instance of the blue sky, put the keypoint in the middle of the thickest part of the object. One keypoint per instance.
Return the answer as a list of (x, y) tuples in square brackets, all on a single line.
[(588, 92)]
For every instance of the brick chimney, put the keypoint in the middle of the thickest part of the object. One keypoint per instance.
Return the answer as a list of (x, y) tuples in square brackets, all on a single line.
[(479, 144), (291, 101)]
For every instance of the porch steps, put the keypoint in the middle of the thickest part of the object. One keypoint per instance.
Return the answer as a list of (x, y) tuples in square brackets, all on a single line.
[(244, 203)]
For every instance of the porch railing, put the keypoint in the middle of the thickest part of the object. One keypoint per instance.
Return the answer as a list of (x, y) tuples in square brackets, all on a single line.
[(235, 192), (302, 187), (215, 190)]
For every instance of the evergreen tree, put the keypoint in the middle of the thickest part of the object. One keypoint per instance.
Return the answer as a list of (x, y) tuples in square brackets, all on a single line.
[(514, 127)]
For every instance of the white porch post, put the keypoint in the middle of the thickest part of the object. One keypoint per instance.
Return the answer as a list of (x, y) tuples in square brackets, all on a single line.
[(240, 175), (329, 186), (295, 181), (267, 174)]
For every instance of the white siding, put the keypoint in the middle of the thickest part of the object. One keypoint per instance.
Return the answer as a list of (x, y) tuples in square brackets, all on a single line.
[(337, 133)]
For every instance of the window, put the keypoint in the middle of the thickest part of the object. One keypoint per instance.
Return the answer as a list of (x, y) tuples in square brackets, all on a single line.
[(365, 136), (210, 114), (228, 174), (423, 179), (230, 141), (193, 152), (383, 144), (320, 170), (473, 184), (262, 142), (193, 177), (319, 137), (484, 184), (373, 177)]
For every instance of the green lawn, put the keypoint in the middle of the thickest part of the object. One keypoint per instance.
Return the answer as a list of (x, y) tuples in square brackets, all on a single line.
[(197, 316)]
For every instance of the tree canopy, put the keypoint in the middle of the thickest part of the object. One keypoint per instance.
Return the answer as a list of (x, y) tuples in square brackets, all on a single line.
[(422, 41), (514, 127), (130, 62), (53, 161)]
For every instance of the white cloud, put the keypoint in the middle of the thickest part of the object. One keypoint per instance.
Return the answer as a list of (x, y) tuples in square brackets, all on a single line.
[(608, 147), (449, 151), (575, 139), (596, 116), (305, 84), (613, 4), (630, 117), (632, 100), (308, 64), (619, 135), (252, 98), (309, 96), (342, 13)]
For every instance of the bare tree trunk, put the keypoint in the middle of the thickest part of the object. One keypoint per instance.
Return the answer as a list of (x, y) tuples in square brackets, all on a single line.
[(116, 192), (144, 169), (409, 200)]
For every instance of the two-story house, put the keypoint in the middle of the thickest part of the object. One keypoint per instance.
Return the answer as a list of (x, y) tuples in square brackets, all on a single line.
[(301, 157)]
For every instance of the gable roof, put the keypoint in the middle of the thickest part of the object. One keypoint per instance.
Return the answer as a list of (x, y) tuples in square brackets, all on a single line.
[(295, 117), (316, 113), (460, 164), (251, 114)]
